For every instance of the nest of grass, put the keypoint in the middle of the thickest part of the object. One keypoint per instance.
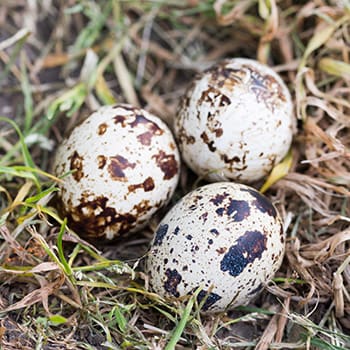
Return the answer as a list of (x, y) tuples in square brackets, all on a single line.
[(59, 61)]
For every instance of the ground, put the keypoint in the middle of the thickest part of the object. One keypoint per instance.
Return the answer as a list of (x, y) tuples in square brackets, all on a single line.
[(59, 61)]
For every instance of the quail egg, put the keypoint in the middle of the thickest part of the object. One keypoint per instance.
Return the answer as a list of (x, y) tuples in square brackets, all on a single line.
[(122, 164), (235, 122), (224, 238)]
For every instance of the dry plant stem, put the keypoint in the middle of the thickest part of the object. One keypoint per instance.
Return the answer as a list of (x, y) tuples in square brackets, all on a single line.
[(340, 292), (282, 320), (269, 334), (125, 80)]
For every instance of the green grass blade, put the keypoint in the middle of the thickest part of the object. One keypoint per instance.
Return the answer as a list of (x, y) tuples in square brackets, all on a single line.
[(67, 269), (69, 102), (27, 158), (177, 332), (27, 94), (42, 194)]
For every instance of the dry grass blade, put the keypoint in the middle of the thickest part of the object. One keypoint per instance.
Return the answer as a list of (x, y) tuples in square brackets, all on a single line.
[(20, 35), (235, 13), (268, 335), (38, 295), (125, 80)]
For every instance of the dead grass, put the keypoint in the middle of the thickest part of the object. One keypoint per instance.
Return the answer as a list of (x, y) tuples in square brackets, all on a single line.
[(62, 59)]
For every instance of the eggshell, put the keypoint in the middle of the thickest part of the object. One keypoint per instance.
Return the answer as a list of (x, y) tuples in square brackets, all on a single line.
[(225, 238), (235, 121), (123, 165)]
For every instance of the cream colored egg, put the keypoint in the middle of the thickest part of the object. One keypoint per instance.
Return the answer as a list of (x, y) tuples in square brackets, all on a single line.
[(224, 238), (122, 165), (235, 121)]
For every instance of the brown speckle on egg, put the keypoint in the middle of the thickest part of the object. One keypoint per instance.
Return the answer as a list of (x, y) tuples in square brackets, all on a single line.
[(149, 124), (185, 137), (145, 138), (120, 119), (147, 185), (209, 143), (142, 207), (221, 250), (102, 128), (93, 216), (167, 163), (101, 160), (218, 132), (76, 165), (116, 166)]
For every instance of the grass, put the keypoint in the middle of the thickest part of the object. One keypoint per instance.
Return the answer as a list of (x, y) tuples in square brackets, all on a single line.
[(58, 291)]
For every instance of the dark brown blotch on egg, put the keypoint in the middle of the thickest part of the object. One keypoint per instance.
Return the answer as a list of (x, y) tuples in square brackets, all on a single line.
[(147, 185), (167, 163), (101, 161), (102, 128), (209, 143), (76, 165), (116, 166), (92, 216), (172, 281), (185, 137)]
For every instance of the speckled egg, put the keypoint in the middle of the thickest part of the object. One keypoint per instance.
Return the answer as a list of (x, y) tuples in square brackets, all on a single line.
[(224, 238), (235, 121), (123, 165)]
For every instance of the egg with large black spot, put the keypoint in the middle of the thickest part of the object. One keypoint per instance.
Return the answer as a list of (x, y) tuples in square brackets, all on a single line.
[(224, 238), (118, 167)]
